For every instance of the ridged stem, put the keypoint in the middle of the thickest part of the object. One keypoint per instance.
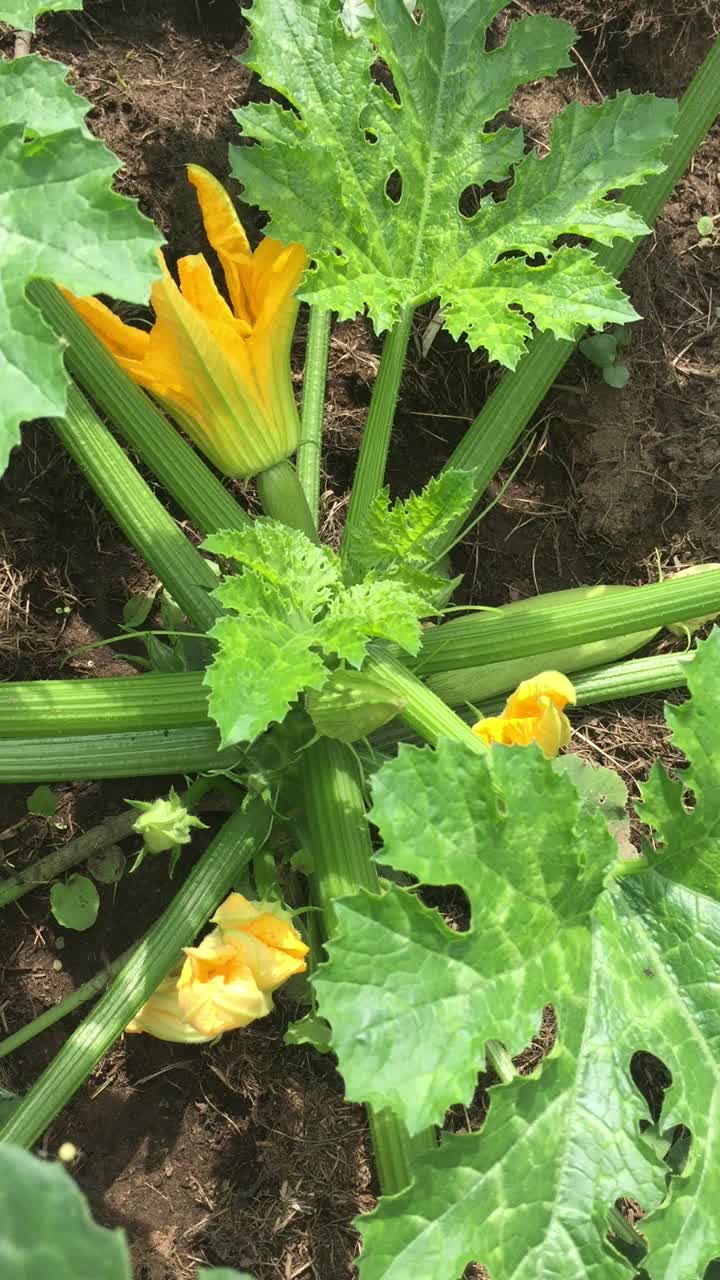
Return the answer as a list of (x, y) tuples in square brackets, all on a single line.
[(113, 704), (83, 757), (131, 502), (372, 458), (207, 884), (313, 407), (470, 641), (423, 711), (177, 466), (283, 498), (492, 435), (60, 1010), (342, 865)]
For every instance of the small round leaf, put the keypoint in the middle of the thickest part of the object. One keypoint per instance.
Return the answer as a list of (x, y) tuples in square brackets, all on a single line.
[(75, 903), (108, 865)]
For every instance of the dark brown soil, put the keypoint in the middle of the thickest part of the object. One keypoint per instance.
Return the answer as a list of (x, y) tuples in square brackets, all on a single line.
[(244, 1154)]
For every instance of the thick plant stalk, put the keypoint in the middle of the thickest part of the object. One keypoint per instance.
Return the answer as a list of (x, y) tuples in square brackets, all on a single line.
[(121, 488), (113, 704), (470, 641), (493, 434), (60, 1010), (283, 498), (422, 711), (313, 407), (342, 852), (83, 757), (372, 459), (168, 455), (208, 883)]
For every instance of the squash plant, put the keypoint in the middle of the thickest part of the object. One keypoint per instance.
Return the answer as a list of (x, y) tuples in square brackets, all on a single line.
[(312, 663)]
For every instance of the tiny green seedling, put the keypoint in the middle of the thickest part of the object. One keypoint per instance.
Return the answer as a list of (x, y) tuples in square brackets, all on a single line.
[(605, 351), (705, 227), (75, 902), (42, 802)]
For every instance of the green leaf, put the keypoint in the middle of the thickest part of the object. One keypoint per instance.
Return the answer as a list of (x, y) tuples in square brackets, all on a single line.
[(371, 609), (75, 903), (400, 986), (601, 791), (322, 170), (60, 220), (21, 14), (690, 836), (261, 668), (401, 540), (616, 375), (137, 609), (46, 1225), (108, 865), (42, 801), (310, 1030), (600, 349), (288, 602)]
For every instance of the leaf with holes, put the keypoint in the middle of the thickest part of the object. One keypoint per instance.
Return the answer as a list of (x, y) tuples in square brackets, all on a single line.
[(59, 220), (375, 180), (400, 986)]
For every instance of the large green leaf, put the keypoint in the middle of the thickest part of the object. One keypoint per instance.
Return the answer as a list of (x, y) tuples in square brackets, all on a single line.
[(286, 608), (370, 180), (400, 986), (46, 1232), (688, 831), (59, 219), (529, 1195), (21, 14)]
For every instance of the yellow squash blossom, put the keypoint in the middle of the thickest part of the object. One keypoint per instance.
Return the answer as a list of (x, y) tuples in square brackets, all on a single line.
[(533, 713), (228, 980), (223, 372)]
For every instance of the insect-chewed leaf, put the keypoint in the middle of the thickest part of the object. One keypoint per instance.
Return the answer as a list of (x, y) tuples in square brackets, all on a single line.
[(372, 181)]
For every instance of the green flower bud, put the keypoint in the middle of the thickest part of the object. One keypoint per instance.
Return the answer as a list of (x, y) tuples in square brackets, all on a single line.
[(165, 823)]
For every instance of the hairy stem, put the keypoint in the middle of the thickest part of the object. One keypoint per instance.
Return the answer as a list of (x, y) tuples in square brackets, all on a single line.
[(313, 407)]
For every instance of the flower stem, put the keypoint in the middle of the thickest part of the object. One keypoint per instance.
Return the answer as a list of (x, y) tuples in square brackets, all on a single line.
[(121, 488), (423, 711), (283, 498), (209, 881), (59, 1011), (372, 459), (313, 407), (342, 865), (493, 434), (177, 466)]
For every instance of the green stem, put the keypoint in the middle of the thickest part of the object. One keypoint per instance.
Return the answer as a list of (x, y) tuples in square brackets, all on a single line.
[(473, 640), (208, 883), (342, 864), (492, 435), (313, 407), (86, 757), (59, 1011), (177, 466), (283, 498), (121, 488), (113, 704), (372, 459), (422, 711)]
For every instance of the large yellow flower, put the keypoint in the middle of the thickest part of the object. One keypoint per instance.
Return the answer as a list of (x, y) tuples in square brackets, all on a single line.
[(223, 372), (533, 713), (228, 980)]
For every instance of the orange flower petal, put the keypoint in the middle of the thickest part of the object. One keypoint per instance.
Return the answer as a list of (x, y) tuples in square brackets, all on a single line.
[(123, 341)]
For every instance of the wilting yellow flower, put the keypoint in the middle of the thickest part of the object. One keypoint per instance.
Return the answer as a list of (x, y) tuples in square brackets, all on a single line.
[(533, 713), (223, 372), (228, 980)]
